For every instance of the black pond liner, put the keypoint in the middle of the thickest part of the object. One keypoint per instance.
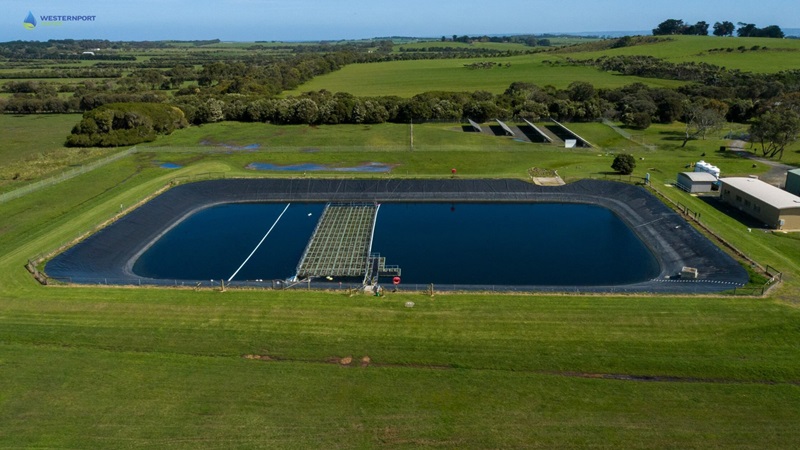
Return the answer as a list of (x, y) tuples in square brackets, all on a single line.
[(107, 256)]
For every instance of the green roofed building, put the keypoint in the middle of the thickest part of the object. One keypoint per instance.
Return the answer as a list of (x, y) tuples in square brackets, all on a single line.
[(793, 181)]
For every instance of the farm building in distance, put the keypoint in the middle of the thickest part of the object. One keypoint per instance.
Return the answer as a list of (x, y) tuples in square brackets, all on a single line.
[(793, 181), (775, 207), (696, 181)]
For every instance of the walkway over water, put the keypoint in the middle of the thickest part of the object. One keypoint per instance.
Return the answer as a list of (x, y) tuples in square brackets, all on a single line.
[(341, 244)]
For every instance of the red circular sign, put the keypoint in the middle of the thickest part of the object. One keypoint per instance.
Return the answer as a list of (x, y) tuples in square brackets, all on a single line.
[(396, 280)]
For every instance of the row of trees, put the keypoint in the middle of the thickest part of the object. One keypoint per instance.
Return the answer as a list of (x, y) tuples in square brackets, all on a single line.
[(529, 40), (775, 127), (724, 28), (676, 26), (742, 92)]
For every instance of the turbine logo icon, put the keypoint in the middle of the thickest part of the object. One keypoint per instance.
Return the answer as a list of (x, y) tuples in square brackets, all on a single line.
[(29, 22)]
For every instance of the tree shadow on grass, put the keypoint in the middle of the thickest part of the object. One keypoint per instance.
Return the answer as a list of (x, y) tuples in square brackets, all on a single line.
[(673, 136)]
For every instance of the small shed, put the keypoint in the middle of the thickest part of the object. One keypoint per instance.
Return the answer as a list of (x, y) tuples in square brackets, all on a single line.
[(773, 206), (696, 181), (793, 181)]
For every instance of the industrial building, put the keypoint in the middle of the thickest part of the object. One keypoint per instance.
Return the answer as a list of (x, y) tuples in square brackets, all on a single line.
[(696, 181), (793, 181), (775, 207)]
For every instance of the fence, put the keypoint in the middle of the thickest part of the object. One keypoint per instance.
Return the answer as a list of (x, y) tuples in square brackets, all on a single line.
[(64, 176), (633, 138), (688, 212), (775, 277)]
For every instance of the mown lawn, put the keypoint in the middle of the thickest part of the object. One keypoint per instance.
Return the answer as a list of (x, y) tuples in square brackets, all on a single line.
[(127, 367), (113, 368)]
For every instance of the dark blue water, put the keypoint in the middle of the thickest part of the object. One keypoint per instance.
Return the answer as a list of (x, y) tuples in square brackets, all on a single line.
[(214, 242), (511, 244), (487, 244)]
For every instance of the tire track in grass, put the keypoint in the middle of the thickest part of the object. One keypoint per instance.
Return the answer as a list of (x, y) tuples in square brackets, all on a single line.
[(366, 361)]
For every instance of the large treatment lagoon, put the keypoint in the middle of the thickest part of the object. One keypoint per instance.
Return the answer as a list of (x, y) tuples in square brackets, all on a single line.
[(440, 243), (587, 236)]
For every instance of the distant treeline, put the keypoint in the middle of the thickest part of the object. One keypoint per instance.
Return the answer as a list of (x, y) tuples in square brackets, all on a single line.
[(526, 39), (724, 28), (247, 90), (53, 47)]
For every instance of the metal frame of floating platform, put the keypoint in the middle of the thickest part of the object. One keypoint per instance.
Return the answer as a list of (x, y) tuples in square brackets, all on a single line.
[(341, 243)]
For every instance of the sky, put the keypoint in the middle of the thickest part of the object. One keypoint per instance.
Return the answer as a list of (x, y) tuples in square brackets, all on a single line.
[(314, 20)]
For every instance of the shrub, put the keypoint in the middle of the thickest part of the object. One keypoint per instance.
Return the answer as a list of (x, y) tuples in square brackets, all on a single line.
[(624, 164), (120, 124)]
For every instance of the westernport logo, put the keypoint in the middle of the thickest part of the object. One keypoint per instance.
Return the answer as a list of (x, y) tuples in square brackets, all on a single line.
[(54, 20), (29, 22)]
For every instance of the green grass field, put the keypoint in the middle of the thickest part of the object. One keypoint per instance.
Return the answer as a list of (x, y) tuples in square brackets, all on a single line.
[(408, 78), (33, 147), (123, 367), (502, 46), (780, 54), (113, 367)]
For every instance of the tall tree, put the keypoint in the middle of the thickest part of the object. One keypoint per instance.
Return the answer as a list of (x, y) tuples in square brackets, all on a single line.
[(699, 29), (669, 26), (700, 118), (772, 31), (775, 130), (724, 29), (746, 30)]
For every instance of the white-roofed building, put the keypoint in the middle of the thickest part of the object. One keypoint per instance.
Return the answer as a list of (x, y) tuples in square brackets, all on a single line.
[(773, 206), (696, 181)]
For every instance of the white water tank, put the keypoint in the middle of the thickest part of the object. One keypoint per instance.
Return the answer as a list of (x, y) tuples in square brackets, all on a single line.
[(702, 166)]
